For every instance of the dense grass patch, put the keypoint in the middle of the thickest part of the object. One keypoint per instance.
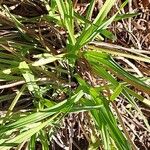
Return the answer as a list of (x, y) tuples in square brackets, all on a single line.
[(51, 68)]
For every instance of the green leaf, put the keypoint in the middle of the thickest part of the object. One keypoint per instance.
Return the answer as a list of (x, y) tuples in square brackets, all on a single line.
[(29, 78), (116, 93), (125, 16), (110, 64), (25, 135), (67, 17), (32, 142), (90, 10), (45, 59)]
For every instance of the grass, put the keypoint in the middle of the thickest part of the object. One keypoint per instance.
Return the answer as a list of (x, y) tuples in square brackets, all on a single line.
[(31, 66)]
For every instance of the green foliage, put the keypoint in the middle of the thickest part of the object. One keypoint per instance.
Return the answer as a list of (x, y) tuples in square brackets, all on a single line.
[(26, 56)]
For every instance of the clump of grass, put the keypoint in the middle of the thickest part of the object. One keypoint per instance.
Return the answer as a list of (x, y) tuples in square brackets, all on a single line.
[(45, 61)]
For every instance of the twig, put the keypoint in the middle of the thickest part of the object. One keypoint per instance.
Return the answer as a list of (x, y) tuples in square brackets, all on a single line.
[(117, 47), (11, 85), (60, 144), (131, 65), (20, 83)]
